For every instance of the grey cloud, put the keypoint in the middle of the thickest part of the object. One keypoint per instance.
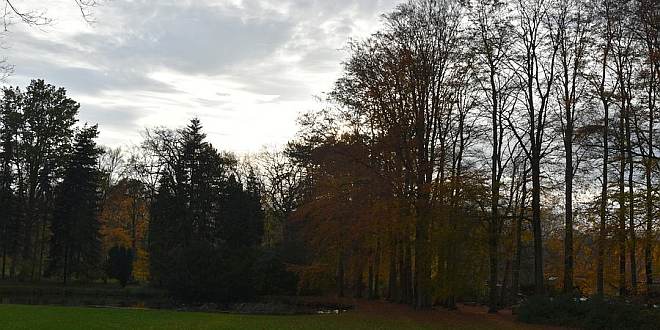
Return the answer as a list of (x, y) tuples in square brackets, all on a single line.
[(191, 39), (111, 117)]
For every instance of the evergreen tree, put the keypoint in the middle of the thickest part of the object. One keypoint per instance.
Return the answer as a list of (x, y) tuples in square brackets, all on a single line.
[(242, 214), (9, 230), (205, 226), (165, 232), (75, 245)]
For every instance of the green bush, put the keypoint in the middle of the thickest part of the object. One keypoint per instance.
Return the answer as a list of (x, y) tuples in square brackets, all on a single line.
[(594, 313)]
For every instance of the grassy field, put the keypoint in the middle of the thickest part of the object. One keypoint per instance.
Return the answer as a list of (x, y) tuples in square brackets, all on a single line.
[(54, 317)]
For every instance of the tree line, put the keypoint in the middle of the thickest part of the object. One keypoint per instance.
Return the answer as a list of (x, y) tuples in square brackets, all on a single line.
[(173, 211), (490, 148), (469, 150)]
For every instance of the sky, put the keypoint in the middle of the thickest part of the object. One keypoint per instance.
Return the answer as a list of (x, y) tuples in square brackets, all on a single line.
[(246, 68)]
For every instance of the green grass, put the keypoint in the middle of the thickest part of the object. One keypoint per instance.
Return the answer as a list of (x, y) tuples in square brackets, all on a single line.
[(56, 317)]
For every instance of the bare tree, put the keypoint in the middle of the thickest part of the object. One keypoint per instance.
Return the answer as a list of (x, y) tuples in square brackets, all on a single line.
[(493, 35), (571, 21), (39, 17), (623, 44), (603, 90), (283, 188), (14, 12), (648, 14), (535, 70)]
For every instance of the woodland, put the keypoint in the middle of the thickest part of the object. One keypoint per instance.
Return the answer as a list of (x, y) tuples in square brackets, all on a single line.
[(470, 150)]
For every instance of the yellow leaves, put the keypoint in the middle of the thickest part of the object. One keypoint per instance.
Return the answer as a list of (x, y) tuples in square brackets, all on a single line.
[(313, 277), (125, 221), (141, 266), (113, 236)]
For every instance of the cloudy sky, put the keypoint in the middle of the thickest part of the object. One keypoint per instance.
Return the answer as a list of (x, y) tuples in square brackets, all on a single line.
[(245, 67)]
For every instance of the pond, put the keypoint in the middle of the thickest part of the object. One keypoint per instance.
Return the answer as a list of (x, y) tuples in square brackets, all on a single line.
[(144, 297)]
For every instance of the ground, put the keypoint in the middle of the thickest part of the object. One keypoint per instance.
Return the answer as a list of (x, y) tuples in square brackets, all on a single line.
[(367, 315)]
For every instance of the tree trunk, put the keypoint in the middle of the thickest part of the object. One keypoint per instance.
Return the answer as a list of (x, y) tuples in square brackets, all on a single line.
[(518, 221), (493, 226), (66, 264), (340, 274), (602, 231), (568, 230), (631, 205), (422, 281), (505, 283), (492, 279), (12, 268), (376, 293), (407, 278), (4, 258), (42, 247), (622, 210), (401, 294), (370, 277), (358, 284), (451, 270), (633, 239), (536, 222), (391, 280), (648, 235), (648, 242)]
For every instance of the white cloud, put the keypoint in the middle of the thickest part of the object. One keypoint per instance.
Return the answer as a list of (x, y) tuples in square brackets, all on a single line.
[(245, 67)]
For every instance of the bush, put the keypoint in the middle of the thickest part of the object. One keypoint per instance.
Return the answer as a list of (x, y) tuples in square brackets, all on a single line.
[(271, 275), (204, 273), (120, 264), (594, 313)]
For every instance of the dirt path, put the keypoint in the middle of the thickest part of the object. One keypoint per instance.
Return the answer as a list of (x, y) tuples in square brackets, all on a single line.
[(464, 317)]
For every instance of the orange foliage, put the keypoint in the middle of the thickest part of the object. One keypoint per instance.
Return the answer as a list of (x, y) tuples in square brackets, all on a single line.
[(125, 221)]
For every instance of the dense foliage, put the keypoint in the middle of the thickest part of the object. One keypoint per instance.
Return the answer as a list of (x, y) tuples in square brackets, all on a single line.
[(205, 226), (120, 264), (37, 132), (75, 243), (593, 313)]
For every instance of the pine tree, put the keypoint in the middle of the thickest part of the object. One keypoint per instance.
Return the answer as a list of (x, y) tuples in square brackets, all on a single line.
[(205, 225), (242, 215), (9, 230), (75, 245)]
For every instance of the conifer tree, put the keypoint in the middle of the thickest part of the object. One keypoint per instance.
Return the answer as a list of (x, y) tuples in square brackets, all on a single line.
[(75, 245)]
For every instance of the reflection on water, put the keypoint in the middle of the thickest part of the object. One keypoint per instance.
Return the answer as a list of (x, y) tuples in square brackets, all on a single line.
[(152, 299), (88, 301)]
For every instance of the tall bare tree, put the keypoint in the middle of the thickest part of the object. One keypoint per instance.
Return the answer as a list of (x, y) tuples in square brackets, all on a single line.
[(623, 48), (535, 70), (493, 36), (571, 21), (648, 33), (603, 88)]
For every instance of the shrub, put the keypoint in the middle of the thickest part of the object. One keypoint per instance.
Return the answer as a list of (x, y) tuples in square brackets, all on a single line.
[(272, 276), (594, 313), (203, 273), (120, 264)]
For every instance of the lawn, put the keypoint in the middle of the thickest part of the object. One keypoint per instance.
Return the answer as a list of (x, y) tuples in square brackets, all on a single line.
[(50, 317), (55, 317)]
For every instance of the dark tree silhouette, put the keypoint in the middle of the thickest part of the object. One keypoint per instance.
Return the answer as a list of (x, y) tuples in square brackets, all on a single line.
[(76, 244)]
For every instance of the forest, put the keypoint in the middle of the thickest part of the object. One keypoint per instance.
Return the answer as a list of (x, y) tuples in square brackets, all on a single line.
[(470, 150)]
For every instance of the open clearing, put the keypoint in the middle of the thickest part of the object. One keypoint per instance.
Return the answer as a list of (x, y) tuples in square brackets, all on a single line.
[(367, 315)]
